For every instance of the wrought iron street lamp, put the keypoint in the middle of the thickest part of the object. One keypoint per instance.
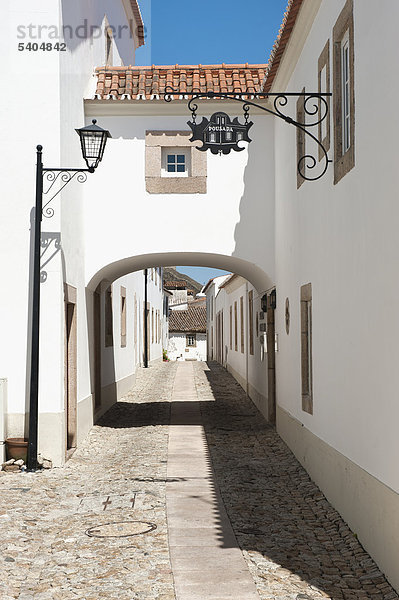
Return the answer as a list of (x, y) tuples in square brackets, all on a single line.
[(93, 140)]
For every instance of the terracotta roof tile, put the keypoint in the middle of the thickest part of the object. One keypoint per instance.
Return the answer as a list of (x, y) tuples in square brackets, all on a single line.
[(148, 83), (284, 34), (191, 320), (139, 21)]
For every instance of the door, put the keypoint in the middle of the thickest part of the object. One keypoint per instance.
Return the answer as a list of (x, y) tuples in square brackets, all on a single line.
[(271, 362), (146, 319), (70, 375), (97, 349)]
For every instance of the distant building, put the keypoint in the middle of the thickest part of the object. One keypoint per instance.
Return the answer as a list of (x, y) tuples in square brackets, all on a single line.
[(187, 332), (182, 287), (210, 290)]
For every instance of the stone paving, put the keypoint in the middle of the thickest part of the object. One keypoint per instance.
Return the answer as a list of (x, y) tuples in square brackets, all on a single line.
[(295, 545), (118, 474)]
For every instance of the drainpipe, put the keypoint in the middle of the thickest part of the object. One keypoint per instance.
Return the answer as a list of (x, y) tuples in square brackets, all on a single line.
[(246, 337), (145, 320)]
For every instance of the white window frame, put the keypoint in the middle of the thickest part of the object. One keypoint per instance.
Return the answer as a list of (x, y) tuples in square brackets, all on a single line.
[(346, 87), (194, 339), (175, 151), (324, 85)]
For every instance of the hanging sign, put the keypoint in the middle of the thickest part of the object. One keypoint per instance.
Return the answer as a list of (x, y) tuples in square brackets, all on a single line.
[(220, 135)]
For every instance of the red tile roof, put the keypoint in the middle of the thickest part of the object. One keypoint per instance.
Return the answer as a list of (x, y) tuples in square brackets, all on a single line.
[(149, 83), (284, 34), (139, 22), (191, 320)]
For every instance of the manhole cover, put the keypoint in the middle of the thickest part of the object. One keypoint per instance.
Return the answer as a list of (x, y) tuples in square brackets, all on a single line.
[(121, 529)]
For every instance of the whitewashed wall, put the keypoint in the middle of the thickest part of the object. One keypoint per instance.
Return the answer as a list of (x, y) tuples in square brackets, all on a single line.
[(178, 349), (43, 105), (212, 288), (119, 363), (343, 239), (238, 220), (250, 370), (210, 321)]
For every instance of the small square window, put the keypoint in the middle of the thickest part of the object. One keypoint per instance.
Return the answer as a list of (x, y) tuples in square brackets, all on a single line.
[(186, 170), (175, 162)]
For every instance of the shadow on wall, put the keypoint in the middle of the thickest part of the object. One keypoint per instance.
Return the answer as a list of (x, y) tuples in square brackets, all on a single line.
[(81, 24), (101, 359), (76, 29), (50, 246), (254, 233)]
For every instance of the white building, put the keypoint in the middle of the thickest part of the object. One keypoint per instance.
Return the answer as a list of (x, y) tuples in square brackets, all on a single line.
[(240, 342), (119, 347), (211, 290), (90, 342), (187, 332), (328, 248)]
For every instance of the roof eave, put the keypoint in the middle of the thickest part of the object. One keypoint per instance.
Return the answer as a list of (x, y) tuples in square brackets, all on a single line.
[(280, 45)]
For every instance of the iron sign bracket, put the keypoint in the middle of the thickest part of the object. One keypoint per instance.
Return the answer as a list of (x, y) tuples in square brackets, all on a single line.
[(315, 105)]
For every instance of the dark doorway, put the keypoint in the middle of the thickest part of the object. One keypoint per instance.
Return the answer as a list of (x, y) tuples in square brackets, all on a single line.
[(70, 375), (97, 349), (271, 361)]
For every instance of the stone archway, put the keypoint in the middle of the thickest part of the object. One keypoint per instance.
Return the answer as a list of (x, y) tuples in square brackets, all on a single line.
[(250, 271), (105, 276)]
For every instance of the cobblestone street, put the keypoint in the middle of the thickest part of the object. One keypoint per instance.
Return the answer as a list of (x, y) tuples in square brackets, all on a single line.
[(295, 546)]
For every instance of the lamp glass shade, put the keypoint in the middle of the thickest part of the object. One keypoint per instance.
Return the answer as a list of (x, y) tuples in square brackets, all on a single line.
[(93, 140)]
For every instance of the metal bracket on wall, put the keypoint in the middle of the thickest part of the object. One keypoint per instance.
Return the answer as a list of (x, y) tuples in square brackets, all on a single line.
[(220, 135), (64, 176)]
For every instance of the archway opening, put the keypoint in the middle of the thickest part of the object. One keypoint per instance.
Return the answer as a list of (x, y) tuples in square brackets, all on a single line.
[(133, 318)]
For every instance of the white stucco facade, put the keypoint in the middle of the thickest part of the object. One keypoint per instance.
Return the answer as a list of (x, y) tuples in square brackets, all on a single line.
[(179, 350), (233, 325), (253, 221)]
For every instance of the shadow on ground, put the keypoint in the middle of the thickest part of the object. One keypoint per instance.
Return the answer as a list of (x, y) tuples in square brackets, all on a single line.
[(277, 512), (296, 544)]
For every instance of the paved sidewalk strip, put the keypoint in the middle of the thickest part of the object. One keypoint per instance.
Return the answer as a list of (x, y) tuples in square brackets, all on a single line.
[(206, 560), (227, 480)]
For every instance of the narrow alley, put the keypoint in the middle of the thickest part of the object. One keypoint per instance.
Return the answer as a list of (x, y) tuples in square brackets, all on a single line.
[(181, 491)]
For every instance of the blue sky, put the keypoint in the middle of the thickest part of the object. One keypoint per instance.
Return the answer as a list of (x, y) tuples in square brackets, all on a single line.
[(208, 32), (201, 274)]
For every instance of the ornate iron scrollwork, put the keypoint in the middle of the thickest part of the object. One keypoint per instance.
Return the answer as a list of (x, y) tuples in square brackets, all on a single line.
[(63, 176), (314, 105)]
